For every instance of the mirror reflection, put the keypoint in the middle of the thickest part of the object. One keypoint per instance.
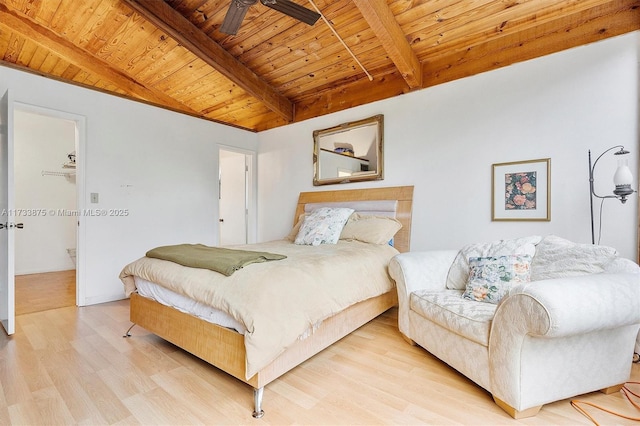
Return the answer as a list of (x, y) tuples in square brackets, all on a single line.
[(349, 152)]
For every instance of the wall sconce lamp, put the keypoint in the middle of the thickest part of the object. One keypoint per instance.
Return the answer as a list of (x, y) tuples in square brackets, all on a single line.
[(622, 180)]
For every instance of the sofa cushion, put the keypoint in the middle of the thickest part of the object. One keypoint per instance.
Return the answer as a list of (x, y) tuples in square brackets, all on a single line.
[(491, 278), (459, 270), (559, 258), (450, 310)]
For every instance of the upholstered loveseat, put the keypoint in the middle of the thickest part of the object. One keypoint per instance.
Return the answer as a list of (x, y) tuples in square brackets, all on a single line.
[(531, 320)]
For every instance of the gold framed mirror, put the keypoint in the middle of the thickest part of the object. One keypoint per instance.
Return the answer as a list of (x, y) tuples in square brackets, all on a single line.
[(349, 152)]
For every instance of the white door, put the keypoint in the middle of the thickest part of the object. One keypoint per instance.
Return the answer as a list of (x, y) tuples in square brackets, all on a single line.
[(7, 219), (233, 198)]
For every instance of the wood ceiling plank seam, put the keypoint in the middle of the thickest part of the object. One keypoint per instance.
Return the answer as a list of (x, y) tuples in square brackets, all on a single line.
[(349, 96), (208, 50), (49, 63), (26, 53), (70, 72), (285, 75), (76, 23), (93, 79), (388, 31), (73, 54), (166, 66), (67, 17), (302, 87), (14, 47), (201, 89), (31, 8), (265, 122), (488, 27), (461, 44), (112, 16), (102, 46), (595, 24), (38, 58), (59, 67), (436, 26), (91, 28), (156, 46), (185, 75), (5, 37), (273, 67), (81, 77), (298, 37), (241, 102), (122, 39), (47, 11), (189, 85), (331, 74), (323, 48), (134, 43)]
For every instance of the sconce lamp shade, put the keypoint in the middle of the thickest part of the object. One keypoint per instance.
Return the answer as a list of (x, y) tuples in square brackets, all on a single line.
[(623, 180), (623, 175)]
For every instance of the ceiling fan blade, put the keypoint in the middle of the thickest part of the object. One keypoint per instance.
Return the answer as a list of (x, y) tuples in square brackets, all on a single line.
[(294, 10), (235, 15)]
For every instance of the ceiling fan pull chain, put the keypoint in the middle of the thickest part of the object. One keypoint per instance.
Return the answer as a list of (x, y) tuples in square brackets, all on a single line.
[(341, 41)]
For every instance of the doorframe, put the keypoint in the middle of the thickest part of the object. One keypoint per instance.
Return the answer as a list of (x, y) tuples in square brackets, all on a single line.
[(251, 196), (80, 145)]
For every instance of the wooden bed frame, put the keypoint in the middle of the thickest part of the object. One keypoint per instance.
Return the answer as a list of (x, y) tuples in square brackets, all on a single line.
[(224, 348)]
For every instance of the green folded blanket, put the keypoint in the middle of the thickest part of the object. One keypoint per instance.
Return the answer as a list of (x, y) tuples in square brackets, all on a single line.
[(223, 260)]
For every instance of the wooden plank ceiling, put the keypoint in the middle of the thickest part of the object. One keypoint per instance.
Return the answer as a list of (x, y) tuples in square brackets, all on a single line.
[(277, 70)]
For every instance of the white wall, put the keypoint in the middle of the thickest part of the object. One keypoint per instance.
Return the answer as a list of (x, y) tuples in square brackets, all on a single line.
[(42, 143), (159, 165), (445, 139)]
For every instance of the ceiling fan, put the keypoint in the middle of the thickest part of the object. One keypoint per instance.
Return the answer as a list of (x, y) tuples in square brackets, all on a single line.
[(238, 9)]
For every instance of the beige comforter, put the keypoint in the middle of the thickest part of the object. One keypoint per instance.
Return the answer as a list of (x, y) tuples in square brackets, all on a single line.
[(278, 301)]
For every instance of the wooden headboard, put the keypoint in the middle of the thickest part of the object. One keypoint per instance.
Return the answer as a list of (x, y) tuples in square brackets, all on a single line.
[(402, 194)]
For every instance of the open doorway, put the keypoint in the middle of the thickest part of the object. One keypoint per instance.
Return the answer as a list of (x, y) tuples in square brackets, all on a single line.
[(235, 197), (46, 205)]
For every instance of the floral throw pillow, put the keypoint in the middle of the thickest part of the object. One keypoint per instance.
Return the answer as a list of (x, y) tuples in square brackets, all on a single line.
[(323, 226), (490, 278)]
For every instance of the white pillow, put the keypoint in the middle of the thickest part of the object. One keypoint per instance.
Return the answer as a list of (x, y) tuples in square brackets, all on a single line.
[(459, 270), (323, 226), (557, 258)]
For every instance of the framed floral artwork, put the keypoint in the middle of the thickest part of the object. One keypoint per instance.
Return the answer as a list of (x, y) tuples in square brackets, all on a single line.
[(521, 190)]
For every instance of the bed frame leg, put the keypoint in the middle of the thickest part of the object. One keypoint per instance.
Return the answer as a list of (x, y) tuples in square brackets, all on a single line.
[(257, 399), (128, 333)]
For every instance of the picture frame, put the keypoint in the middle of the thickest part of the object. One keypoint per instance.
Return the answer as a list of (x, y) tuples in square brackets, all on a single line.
[(521, 190)]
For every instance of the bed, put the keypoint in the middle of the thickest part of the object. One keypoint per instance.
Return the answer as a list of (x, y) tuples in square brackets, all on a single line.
[(245, 350)]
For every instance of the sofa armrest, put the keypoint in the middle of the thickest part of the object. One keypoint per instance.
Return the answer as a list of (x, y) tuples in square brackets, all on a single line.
[(578, 305), (556, 309), (416, 271)]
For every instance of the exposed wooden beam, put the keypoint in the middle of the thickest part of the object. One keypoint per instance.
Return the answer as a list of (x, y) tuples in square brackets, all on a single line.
[(184, 32), (384, 25), (27, 28)]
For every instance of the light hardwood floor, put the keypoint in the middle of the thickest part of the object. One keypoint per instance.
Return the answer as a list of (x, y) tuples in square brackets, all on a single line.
[(72, 366), (41, 292)]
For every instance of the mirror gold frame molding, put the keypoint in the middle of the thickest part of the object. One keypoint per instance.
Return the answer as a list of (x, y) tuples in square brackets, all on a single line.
[(349, 152)]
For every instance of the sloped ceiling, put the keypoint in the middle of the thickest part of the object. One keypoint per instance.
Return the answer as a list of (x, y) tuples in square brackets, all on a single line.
[(277, 70)]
